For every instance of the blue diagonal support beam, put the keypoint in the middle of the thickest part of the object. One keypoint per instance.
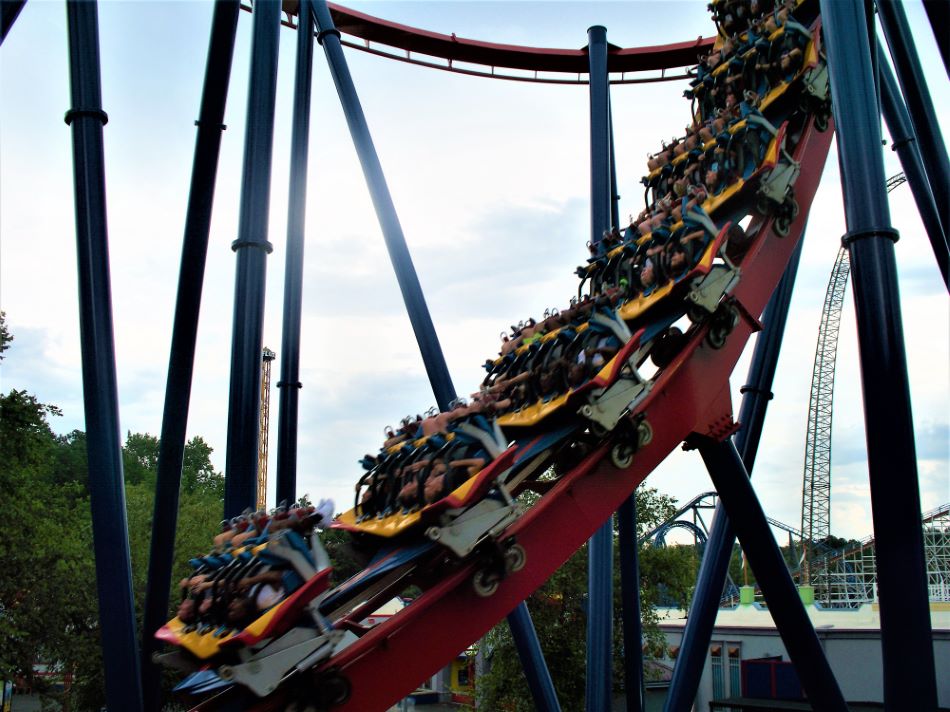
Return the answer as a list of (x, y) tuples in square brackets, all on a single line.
[(9, 12), (422, 326), (905, 144), (539, 680), (786, 608), (923, 116), (194, 253), (718, 551)]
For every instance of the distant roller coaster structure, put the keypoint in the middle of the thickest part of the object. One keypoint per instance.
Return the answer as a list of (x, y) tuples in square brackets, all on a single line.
[(816, 481)]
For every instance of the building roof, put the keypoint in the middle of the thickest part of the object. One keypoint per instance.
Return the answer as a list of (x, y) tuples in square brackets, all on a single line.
[(756, 616)]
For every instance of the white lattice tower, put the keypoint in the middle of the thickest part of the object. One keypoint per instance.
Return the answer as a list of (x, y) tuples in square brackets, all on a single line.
[(816, 485), (937, 553)]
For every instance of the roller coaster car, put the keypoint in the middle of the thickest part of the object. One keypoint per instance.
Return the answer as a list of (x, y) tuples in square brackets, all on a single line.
[(392, 521), (683, 284), (734, 16), (292, 634), (703, 286), (774, 177), (602, 324), (773, 172), (811, 77)]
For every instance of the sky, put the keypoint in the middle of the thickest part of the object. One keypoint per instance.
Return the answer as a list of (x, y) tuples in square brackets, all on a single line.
[(490, 179)]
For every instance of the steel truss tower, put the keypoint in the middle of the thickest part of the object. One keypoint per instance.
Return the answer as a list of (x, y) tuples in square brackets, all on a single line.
[(816, 486), (267, 356)]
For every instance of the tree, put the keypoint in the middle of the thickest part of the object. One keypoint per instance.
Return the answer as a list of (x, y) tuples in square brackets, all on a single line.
[(197, 472), (140, 458), (72, 464), (5, 336), (559, 612), (48, 595), (668, 574), (44, 547)]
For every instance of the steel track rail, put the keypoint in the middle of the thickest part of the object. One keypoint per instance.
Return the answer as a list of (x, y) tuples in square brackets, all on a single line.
[(692, 396), (452, 49)]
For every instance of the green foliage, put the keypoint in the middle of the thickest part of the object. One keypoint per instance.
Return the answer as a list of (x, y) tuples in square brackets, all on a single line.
[(558, 610), (558, 613), (5, 336), (346, 560), (48, 602), (668, 574), (198, 475), (140, 459), (72, 465)]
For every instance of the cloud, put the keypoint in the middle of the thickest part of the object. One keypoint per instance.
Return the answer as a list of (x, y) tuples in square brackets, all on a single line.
[(490, 180)]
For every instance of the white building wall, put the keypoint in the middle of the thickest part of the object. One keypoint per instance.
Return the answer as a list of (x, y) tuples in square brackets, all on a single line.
[(851, 640)]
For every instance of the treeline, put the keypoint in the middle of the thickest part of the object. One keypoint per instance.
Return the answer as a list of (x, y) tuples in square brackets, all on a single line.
[(48, 602)]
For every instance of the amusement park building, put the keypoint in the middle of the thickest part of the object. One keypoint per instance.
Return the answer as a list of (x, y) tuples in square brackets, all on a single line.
[(747, 659)]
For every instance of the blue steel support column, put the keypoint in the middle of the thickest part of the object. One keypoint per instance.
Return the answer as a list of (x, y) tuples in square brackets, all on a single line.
[(933, 150), (905, 144), (184, 334), (412, 295), (9, 11), (252, 248), (532, 660), (289, 382), (712, 573), (110, 533), (909, 680), (600, 549), (736, 494), (630, 605)]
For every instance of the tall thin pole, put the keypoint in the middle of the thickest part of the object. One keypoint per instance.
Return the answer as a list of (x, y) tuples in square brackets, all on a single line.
[(419, 317), (614, 195), (252, 248), (181, 360), (289, 383), (909, 680), (600, 548), (721, 539), (600, 160), (110, 533)]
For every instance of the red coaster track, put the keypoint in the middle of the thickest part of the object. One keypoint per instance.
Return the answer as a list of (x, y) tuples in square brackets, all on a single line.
[(692, 396), (452, 49)]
